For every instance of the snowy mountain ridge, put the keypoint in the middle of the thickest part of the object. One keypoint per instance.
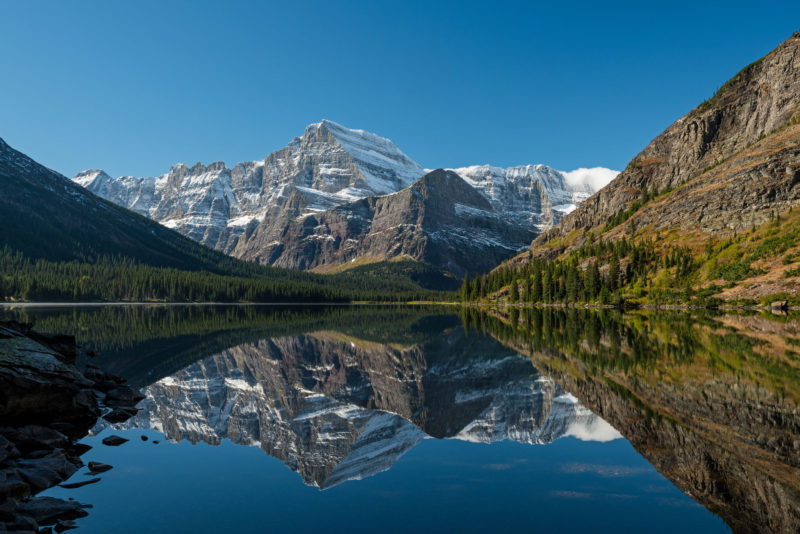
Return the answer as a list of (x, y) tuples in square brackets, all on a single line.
[(327, 167), (537, 194)]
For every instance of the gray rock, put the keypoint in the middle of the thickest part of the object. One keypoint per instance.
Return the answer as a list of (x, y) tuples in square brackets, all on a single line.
[(74, 485), (61, 526), (98, 467), (114, 441), (49, 510)]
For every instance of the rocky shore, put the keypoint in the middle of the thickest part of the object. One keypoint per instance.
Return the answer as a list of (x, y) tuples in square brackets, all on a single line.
[(47, 404)]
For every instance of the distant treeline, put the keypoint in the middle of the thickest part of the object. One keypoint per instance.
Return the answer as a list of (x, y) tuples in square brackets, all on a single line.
[(115, 278)]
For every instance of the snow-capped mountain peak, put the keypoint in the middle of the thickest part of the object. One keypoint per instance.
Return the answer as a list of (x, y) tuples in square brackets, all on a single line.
[(329, 164), (88, 176), (327, 167), (537, 194)]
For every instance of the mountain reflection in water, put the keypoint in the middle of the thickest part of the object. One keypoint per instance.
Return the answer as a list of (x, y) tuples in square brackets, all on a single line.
[(710, 400), (338, 394), (336, 408)]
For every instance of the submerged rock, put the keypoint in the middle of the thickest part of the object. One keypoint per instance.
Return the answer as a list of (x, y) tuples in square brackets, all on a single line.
[(114, 441), (75, 485), (99, 467), (49, 510)]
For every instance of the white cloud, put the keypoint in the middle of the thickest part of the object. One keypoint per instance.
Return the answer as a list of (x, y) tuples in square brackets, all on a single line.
[(594, 430), (596, 177)]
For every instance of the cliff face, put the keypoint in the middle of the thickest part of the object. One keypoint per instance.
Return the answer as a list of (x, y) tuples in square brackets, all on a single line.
[(440, 220), (754, 167)]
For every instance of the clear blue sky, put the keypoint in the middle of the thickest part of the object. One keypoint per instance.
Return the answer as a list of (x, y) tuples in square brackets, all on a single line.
[(133, 87)]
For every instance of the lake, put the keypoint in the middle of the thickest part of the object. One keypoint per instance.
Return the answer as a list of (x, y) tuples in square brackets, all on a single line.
[(431, 419)]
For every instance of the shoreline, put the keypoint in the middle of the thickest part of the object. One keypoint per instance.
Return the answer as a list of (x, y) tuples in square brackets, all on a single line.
[(672, 307)]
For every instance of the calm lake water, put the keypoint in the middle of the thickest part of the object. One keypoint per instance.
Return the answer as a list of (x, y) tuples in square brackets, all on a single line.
[(396, 419)]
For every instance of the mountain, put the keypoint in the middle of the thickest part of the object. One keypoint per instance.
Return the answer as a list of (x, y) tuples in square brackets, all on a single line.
[(327, 166), (536, 194), (440, 220), (702, 216), (727, 164), (45, 215), (58, 241), (336, 408), (279, 211), (724, 434)]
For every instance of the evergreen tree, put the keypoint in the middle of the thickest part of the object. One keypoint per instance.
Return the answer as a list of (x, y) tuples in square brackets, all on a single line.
[(572, 283), (464, 292), (613, 273), (536, 285), (514, 292)]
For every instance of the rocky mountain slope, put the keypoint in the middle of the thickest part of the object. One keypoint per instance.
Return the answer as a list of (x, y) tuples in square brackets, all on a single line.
[(268, 210), (535, 195), (335, 408), (213, 204), (726, 165), (440, 220)]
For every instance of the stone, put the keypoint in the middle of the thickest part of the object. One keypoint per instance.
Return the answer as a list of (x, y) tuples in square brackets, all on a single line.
[(57, 460), (12, 486), (74, 485), (47, 405), (49, 510), (119, 415), (61, 526), (79, 449), (34, 437), (98, 467), (122, 396), (22, 523), (114, 441), (39, 478)]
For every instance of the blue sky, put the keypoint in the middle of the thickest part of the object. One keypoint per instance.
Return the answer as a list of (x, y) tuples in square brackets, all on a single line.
[(134, 87)]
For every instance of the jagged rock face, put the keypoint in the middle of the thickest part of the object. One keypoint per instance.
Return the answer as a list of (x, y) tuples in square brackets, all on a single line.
[(323, 201), (761, 98), (440, 220), (335, 408), (536, 194), (213, 205)]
